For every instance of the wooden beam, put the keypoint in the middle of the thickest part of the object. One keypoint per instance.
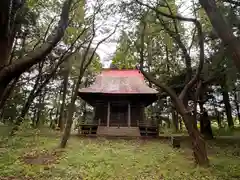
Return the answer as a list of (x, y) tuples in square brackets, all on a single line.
[(129, 115)]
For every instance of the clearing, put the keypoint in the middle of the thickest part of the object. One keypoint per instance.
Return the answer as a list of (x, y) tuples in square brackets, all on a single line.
[(34, 155)]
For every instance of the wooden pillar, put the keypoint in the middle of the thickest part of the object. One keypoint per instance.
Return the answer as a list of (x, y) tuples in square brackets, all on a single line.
[(108, 114), (129, 115), (142, 114)]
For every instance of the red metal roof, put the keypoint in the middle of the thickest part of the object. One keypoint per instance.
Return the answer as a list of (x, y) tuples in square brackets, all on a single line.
[(119, 82)]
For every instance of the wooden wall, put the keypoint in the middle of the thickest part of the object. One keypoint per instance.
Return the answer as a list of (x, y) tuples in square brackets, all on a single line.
[(101, 113), (119, 115), (136, 114)]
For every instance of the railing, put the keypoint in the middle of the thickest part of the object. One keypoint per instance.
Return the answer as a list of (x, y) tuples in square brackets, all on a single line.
[(87, 128), (146, 129), (145, 124)]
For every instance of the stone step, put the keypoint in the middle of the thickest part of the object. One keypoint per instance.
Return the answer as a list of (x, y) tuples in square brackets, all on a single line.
[(118, 131)]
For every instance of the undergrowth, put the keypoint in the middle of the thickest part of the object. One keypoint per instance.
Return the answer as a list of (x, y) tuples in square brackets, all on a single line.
[(33, 154)]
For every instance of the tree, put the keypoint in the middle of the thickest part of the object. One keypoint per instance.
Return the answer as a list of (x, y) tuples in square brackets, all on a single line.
[(65, 74), (168, 20), (85, 61), (224, 31), (9, 72)]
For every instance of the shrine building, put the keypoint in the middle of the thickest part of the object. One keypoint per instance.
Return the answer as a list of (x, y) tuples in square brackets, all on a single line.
[(119, 98)]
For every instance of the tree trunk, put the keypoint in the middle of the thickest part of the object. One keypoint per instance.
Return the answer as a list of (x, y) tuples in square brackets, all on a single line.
[(3, 88), (217, 114), (168, 123), (205, 123), (5, 51), (35, 92), (175, 120), (64, 94), (198, 143), (40, 108), (84, 65), (51, 125), (34, 117), (219, 120), (205, 128), (228, 107), (8, 28), (8, 92), (29, 101), (31, 95), (39, 113), (23, 112), (59, 124), (56, 119), (237, 105), (71, 110), (180, 124), (223, 30), (57, 109)]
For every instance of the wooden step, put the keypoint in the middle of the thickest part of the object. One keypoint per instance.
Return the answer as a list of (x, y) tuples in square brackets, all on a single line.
[(118, 131)]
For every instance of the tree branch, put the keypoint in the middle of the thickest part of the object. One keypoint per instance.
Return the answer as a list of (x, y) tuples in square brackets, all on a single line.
[(201, 61), (167, 15), (201, 43), (223, 29), (23, 64), (142, 44), (39, 87), (98, 44)]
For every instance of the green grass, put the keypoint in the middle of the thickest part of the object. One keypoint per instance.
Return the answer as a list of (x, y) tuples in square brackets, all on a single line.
[(225, 131), (102, 159)]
